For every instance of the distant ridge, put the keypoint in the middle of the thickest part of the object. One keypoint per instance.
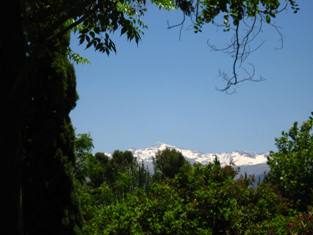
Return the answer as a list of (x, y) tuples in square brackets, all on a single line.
[(246, 161)]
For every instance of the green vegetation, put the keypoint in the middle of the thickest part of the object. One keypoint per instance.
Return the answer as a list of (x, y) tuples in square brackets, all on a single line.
[(39, 91), (292, 165), (119, 196), (168, 163)]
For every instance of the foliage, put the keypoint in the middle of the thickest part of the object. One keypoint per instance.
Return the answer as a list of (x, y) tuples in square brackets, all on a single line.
[(48, 182), (190, 199), (95, 21), (302, 223), (292, 164), (75, 57), (168, 162)]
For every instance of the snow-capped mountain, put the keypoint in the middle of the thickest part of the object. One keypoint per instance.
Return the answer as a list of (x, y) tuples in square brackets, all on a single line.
[(247, 162)]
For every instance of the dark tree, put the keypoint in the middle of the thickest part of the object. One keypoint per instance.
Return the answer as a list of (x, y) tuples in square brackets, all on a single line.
[(168, 162), (48, 145), (38, 95)]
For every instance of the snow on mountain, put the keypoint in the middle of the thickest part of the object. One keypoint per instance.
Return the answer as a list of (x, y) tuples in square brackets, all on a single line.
[(241, 159)]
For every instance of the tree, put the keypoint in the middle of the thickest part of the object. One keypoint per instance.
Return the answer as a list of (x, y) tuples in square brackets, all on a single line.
[(168, 162), (126, 173), (124, 160), (291, 167), (83, 147), (38, 92), (48, 144)]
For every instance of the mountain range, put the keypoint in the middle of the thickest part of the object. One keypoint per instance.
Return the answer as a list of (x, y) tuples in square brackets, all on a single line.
[(250, 163)]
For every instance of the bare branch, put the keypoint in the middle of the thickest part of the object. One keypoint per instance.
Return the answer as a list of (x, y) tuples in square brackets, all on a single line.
[(242, 44), (237, 48), (180, 25), (67, 29), (280, 35)]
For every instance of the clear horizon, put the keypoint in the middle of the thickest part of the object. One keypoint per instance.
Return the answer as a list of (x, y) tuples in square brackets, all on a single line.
[(164, 89)]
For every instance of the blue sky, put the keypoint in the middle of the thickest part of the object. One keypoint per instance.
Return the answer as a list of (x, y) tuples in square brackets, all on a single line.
[(164, 89)]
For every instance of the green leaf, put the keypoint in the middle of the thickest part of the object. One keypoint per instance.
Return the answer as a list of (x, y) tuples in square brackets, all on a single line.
[(268, 19)]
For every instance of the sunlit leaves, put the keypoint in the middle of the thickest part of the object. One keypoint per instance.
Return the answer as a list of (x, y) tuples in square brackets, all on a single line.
[(164, 4), (292, 165), (234, 11), (78, 59), (126, 8)]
